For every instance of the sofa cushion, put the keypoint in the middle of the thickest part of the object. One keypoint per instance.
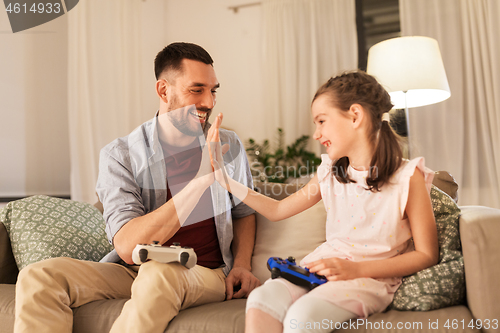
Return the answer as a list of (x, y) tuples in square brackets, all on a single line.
[(443, 284), (7, 307), (223, 317), (449, 320), (444, 181), (42, 227), (295, 236)]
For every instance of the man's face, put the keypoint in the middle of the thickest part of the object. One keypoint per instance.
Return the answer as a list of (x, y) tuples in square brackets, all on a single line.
[(192, 97)]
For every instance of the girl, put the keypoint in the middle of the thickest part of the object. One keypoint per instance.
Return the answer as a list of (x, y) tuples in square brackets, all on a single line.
[(376, 204)]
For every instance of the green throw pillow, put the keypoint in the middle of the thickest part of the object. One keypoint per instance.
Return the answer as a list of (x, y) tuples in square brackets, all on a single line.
[(42, 227), (441, 285)]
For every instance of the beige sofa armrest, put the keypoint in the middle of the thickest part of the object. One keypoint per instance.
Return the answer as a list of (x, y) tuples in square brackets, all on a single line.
[(480, 235)]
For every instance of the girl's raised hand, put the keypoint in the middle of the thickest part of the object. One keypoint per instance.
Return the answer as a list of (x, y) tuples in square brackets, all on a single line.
[(335, 269), (216, 151), (213, 139)]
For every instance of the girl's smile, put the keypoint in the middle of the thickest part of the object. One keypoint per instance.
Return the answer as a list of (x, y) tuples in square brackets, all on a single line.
[(333, 127)]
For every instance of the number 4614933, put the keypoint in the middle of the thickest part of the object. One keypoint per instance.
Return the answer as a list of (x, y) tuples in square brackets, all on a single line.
[(36, 8), (478, 323)]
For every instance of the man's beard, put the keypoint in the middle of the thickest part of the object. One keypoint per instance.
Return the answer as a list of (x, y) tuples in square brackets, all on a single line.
[(179, 116)]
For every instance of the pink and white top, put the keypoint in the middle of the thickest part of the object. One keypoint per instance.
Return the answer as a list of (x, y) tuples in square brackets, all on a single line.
[(364, 225)]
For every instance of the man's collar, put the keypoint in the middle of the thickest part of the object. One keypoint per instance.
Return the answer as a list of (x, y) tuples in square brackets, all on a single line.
[(153, 139)]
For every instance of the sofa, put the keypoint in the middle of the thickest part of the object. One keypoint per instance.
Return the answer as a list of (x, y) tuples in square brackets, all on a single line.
[(296, 236)]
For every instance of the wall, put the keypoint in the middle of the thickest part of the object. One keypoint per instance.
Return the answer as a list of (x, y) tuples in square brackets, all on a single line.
[(34, 150), (234, 41)]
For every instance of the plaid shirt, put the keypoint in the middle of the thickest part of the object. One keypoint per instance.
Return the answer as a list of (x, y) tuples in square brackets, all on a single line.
[(132, 182)]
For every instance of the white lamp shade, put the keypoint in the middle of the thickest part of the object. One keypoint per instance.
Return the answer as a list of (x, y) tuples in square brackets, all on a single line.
[(410, 66)]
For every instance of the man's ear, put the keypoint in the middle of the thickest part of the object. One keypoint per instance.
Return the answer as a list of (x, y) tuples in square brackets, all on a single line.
[(162, 87), (358, 114)]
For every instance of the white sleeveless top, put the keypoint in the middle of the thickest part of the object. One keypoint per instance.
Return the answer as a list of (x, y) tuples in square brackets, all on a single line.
[(364, 225)]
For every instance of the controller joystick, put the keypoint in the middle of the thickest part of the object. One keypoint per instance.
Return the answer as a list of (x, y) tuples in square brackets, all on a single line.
[(143, 255)]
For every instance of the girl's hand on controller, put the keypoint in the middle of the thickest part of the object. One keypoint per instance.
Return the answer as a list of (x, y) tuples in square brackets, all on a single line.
[(335, 269)]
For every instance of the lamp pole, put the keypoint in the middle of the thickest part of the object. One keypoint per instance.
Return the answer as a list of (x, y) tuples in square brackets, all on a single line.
[(407, 116)]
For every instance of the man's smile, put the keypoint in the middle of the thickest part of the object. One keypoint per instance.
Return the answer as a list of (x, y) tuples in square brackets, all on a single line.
[(201, 116)]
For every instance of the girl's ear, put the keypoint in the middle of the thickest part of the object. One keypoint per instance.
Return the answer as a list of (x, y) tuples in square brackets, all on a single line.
[(357, 115)]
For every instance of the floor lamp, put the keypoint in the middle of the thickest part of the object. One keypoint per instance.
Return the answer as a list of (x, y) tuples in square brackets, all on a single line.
[(411, 70)]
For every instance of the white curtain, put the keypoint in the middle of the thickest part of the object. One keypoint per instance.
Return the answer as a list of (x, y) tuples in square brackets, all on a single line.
[(104, 84), (462, 134), (305, 42)]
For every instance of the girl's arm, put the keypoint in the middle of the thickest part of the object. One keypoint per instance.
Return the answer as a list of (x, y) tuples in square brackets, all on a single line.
[(423, 227), (272, 209)]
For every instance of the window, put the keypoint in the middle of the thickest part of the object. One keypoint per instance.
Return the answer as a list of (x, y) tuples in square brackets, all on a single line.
[(376, 20)]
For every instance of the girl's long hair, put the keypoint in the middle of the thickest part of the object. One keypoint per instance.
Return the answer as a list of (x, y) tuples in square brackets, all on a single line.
[(361, 88)]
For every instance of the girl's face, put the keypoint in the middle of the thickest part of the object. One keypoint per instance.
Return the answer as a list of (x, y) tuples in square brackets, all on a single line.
[(333, 127)]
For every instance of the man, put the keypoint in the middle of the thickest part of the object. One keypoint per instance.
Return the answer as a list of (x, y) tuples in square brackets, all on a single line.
[(156, 184)]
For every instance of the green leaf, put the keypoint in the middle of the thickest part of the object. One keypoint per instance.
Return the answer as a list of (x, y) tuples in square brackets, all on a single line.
[(290, 158)]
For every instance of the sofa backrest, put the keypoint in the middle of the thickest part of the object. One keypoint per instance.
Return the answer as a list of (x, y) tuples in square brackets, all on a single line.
[(8, 267), (295, 236)]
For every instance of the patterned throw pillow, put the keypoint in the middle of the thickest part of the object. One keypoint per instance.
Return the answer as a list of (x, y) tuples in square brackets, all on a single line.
[(42, 227), (441, 285)]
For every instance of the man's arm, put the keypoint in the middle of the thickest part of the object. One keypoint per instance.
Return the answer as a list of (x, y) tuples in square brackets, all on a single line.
[(242, 247), (127, 223), (240, 276), (243, 241), (161, 224)]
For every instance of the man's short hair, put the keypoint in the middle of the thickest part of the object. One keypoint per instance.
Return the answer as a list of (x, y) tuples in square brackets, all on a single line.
[(171, 56)]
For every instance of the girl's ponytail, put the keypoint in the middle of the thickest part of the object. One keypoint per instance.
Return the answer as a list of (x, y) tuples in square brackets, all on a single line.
[(387, 158)]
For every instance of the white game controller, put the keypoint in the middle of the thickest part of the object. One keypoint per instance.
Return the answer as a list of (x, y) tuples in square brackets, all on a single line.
[(165, 254)]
